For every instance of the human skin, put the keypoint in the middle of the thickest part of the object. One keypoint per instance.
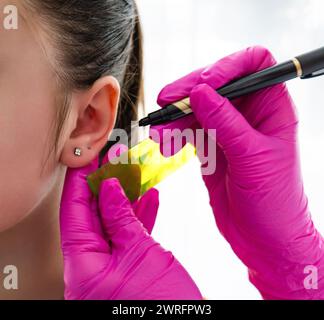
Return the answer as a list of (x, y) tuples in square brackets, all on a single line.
[(30, 193)]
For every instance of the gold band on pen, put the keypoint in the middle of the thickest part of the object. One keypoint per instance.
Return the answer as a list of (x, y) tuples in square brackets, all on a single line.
[(298, 66), (184, 105)]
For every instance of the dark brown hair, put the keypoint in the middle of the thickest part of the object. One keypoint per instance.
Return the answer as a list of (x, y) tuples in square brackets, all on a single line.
[(91, 39)]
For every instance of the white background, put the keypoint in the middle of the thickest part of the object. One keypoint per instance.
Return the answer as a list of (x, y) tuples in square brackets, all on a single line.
[(183, 35)]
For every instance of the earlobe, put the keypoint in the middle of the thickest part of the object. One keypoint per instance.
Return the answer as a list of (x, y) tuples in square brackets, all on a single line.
[(92, 119)]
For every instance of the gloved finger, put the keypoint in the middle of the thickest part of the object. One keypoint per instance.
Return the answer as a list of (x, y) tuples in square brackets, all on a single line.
[(173, 92), (233, 66), (262, 109), (225, 70), (115, 151), (233, 133), (120, 224), (236, 65), (80, 225), (179, 89), (78, 209), (146, 208)]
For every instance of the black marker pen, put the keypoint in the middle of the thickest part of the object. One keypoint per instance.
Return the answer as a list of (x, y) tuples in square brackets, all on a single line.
[(305, 66)]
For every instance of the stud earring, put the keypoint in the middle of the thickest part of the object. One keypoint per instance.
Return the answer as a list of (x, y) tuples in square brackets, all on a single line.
[(77, 152)]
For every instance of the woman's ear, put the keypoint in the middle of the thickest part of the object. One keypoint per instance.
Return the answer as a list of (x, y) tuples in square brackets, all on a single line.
[(91, 121)]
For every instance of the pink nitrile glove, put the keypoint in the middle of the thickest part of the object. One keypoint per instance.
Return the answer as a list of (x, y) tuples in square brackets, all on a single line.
[(256, 192), (108, 251)]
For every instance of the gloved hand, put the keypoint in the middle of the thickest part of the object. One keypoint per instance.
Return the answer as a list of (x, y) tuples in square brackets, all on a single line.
[(256, 192), (107, 249)]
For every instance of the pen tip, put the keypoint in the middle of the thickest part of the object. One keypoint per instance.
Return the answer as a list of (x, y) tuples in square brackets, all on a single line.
[(144, 122)]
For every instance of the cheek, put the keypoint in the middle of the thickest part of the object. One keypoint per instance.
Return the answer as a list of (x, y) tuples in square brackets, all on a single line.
[(25, 177), (24, 180), (27, 112), (19, 196), (24, 142)]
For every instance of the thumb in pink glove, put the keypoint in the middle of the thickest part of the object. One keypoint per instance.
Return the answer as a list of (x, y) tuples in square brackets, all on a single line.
[(257, 192), (108, 252)]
